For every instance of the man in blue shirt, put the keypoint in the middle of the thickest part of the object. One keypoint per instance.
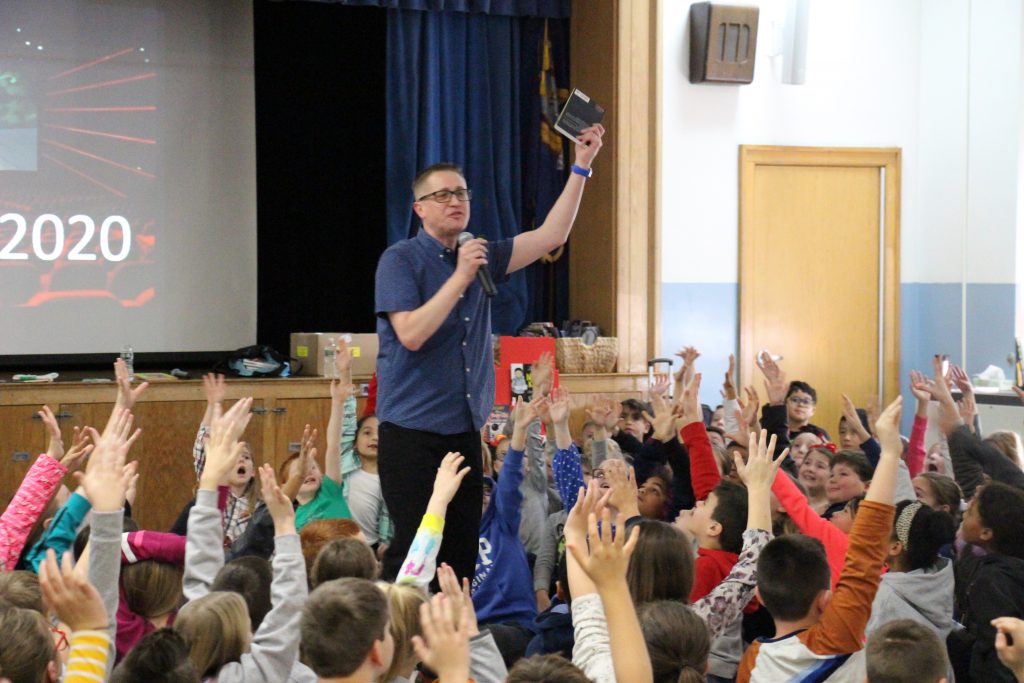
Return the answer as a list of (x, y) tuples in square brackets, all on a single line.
[(435, 368)]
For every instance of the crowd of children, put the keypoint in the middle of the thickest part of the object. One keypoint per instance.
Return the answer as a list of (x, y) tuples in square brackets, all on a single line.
[(666, 543)]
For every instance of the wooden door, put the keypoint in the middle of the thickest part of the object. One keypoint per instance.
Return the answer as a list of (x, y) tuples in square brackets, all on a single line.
[(164, 452), (22, 439), (290, 416), (819, 270)]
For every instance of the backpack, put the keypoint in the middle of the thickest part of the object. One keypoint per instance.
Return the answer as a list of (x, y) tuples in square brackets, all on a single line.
[(254, 361)]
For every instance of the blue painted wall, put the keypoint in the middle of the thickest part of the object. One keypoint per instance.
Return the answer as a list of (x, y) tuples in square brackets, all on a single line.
[(705, 315)]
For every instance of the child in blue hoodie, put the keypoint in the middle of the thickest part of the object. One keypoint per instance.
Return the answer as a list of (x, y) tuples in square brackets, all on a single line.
[(502, 584)]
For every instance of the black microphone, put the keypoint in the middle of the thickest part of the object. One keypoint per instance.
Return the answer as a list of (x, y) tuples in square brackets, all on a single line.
[(482, 274)]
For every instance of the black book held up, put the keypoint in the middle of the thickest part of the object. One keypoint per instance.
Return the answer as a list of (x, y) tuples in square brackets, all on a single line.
[(578, 113)]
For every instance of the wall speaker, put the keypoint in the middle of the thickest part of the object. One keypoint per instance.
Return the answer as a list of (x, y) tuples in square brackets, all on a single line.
[(723, 39)]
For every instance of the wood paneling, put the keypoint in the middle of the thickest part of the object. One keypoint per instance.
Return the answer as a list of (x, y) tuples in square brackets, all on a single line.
[(613, 256), (290, 416), (169, 415), (810, 260), (593, 247), (167, 475), (22, 439)]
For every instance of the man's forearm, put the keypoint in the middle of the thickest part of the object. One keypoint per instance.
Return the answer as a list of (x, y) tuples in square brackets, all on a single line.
[(415, 328), (563, 214)]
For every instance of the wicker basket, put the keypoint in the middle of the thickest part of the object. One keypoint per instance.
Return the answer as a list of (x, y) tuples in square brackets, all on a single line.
[(575, 358)]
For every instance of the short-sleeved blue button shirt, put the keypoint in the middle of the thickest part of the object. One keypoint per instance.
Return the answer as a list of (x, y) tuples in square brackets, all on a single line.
[(447, 387)]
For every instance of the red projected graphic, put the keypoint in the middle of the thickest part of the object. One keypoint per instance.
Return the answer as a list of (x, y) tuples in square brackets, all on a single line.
[(79, 165)]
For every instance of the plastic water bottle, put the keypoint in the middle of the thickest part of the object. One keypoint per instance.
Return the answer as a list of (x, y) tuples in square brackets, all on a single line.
[(128, 356), (330, 352)]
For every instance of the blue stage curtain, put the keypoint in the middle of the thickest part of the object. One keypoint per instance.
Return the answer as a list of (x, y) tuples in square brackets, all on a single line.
[(546, 157), (453, 91), (506, 8)]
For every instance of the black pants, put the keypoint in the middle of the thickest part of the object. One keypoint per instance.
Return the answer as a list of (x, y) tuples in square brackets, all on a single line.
[(407, 463)]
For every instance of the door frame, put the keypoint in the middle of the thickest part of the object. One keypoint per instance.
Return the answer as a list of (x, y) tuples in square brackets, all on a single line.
[(888, 161)]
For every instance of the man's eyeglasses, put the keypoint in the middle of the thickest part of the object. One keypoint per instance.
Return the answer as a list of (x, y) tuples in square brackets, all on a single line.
[(445, 196), (801, 401)]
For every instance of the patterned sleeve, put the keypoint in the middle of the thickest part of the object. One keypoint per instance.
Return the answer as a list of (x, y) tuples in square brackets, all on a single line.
[(568, 474), (87, 659), (421, 561), (32, 497), (199, 450), (724, 605)]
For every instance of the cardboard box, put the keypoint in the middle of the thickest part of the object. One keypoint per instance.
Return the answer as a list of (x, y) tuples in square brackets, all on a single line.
[(308, 348)]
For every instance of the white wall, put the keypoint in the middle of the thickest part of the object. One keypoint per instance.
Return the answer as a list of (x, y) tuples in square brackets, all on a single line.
[(860, 91), (941, 80), (938, 78)]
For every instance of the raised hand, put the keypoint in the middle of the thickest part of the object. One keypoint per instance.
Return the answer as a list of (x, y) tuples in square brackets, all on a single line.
[(340, 391), (459, 597), (523, 413), (874, 411), (660, 385), (888, 427), (343, 362), (301, 466), (690, 401), (543, 374), (278, 505), (559, 406), (742, 437), (940, 387), (588, 144), (589, 501), (608, 559), (774, 379), (126, 396), (853, 419), (949, 414), (104, 482), (444, 645), (622, 480), (921, 387), (729, 385), (223, 448), (747, 414), (961, 380), (1010, 644), (968, 410), (760, 468), (605, 414), (689, 355), (55, 446), (664, 419), (131, 472), (80, 449), (214, 388), (448, 479), (70, 596)]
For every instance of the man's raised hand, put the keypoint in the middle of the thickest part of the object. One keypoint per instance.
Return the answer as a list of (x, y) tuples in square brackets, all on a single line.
[(588, 144)]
